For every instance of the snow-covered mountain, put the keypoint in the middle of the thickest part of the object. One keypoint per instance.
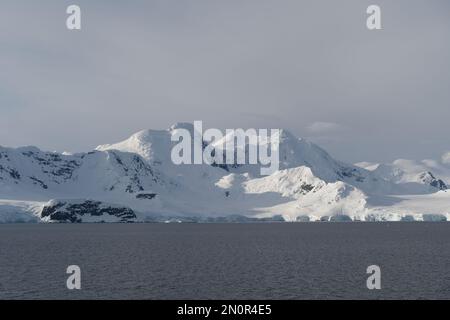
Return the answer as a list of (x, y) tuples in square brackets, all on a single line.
[(135, 180), (427, 172)]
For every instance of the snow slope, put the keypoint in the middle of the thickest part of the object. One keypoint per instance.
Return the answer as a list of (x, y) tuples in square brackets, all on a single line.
[(430, 172), (135, 180)]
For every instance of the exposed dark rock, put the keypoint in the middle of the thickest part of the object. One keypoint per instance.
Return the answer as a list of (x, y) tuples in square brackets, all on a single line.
[(40, 182), (147, 196), (428, 177), (75, 211), (14, 174), (348, 172)]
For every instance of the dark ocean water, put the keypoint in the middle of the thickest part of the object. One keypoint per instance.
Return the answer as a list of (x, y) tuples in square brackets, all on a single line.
[(225, 261)]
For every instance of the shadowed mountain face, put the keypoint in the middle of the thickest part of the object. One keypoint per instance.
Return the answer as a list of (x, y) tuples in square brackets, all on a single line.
[(135, 180)]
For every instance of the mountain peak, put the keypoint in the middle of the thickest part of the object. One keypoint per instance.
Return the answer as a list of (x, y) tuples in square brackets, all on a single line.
[(182, 125)]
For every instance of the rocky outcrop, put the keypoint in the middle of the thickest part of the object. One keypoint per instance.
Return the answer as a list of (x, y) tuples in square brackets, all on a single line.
[(429, 178), (77, 211)]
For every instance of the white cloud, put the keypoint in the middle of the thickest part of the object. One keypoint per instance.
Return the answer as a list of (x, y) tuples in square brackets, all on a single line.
[(446, 158)]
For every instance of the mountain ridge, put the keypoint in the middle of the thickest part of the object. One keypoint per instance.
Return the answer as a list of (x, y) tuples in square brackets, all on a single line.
[(137, 174)]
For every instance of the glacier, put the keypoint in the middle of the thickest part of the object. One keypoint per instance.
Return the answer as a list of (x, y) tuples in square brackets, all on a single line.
[(135, 181)]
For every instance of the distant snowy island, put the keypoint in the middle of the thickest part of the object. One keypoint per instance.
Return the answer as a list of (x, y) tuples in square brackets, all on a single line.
[(136, 181)]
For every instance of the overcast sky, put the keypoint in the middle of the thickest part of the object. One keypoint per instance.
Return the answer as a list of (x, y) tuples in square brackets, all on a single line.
[(308, 66)]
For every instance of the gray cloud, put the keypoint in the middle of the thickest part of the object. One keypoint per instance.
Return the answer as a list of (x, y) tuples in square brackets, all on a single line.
[(323, 127), (251, 63)]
